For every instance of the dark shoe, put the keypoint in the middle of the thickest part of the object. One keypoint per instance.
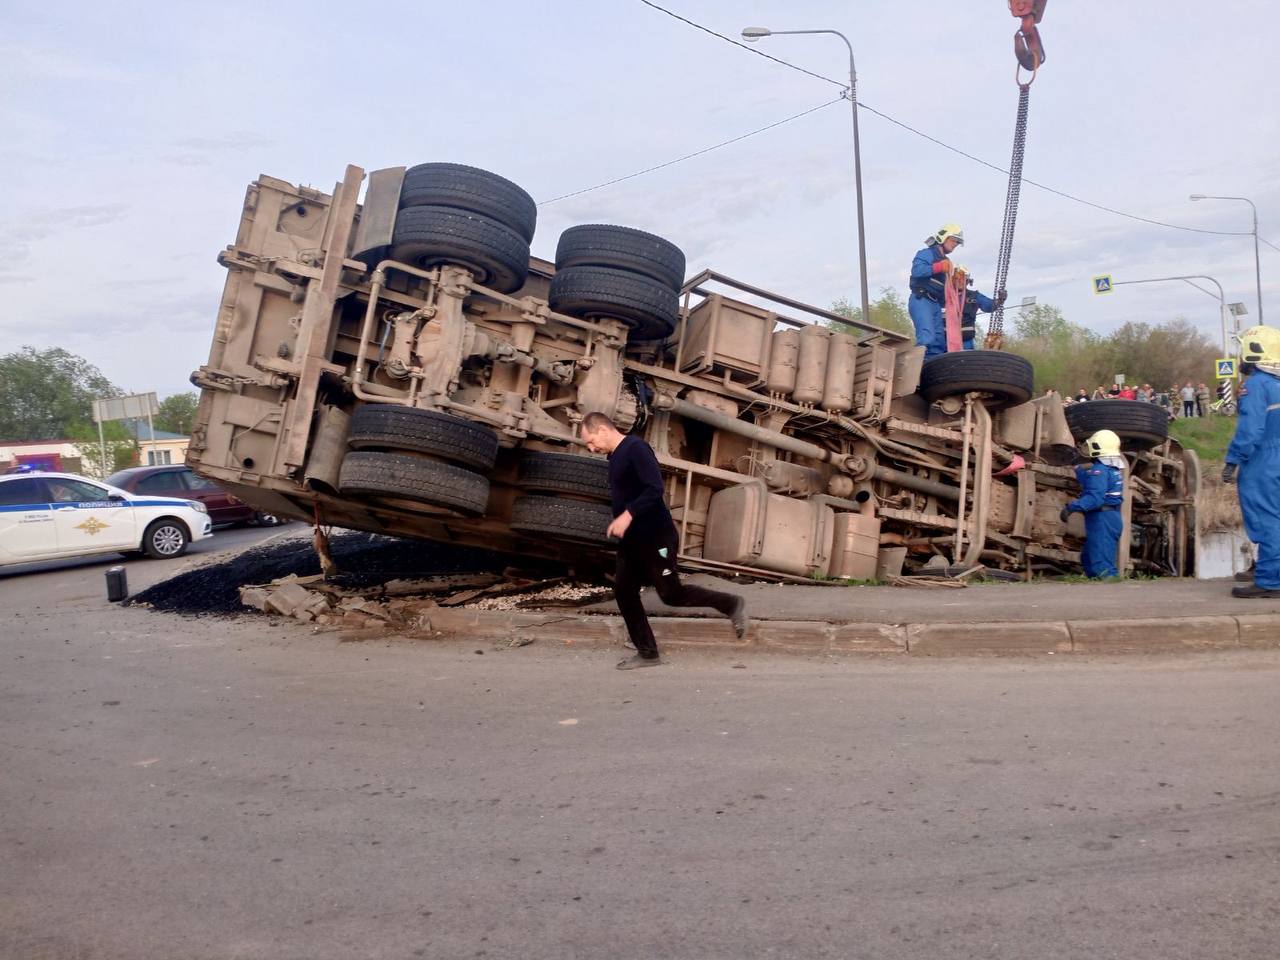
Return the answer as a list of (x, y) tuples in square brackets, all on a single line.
[(1246, 576), (1255, 592), (634, 663), (738, 617)]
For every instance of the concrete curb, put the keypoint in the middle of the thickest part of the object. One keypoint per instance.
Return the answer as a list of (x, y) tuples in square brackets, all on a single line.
[(1019, 638)]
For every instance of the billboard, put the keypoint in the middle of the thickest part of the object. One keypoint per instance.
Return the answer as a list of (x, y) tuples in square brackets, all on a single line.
[(138, 406)]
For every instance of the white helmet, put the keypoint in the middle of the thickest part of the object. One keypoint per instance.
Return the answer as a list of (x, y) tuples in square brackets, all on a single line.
[(947, 232), (1104, 443)]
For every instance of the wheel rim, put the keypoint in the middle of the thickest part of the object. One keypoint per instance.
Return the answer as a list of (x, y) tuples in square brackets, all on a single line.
[(167, 540)]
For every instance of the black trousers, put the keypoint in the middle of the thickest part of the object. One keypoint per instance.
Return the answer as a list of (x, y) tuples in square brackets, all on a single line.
[(1188, 408), (649, 559)]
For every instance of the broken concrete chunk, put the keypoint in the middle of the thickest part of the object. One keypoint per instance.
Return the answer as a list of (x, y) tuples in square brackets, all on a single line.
[(255, 597), (287, 598)]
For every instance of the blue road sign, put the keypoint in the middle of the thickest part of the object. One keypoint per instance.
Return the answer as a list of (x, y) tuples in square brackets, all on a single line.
[(1227, 369), (1102, 284)]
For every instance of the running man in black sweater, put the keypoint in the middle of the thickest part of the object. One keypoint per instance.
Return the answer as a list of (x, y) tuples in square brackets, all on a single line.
[(649, 540)]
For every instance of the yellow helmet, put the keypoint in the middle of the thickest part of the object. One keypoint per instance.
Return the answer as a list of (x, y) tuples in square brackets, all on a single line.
[(1260, 345), (946, 232), (1104, 443)]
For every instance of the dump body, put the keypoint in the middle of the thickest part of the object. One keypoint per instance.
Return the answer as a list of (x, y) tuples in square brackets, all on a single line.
[(794, 444)]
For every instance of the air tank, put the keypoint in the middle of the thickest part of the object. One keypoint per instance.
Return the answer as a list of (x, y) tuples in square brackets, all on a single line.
[(837, 393), (811, 365), (784, 355)]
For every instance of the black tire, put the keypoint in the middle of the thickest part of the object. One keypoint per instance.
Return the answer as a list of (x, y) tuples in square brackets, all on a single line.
[(165, 539), (470, 188), (389, 426), (403, 476), (1008, 377), (625, 248), (647, 307), (428, 236), (575, 520), (565, 473), (262, 519), (1128, 419)]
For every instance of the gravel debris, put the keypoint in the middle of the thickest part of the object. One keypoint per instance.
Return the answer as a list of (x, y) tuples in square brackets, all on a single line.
[(563, 594)]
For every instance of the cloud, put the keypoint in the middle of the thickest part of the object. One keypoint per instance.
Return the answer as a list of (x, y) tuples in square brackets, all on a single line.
[(18, 236), (40, 224), (201, 151), (28, 63)]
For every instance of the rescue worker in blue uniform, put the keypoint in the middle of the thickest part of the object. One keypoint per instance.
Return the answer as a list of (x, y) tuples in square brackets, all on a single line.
[(1101, 499), (1255, 453), (930, 271), (973, 302)]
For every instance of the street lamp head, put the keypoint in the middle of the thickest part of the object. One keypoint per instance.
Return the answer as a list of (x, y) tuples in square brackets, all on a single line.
[(752, 34), (1198, 196)]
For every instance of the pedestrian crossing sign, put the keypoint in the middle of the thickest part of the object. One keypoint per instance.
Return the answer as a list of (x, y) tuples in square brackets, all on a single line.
[(1102, 284), (1227, 369)]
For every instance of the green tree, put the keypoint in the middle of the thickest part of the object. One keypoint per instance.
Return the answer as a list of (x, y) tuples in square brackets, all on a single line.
[(1161, 354), (888, 311), (1065, 355), (44, 392), (178, 413), (1043, 321), (1068, 357), (121, 446)]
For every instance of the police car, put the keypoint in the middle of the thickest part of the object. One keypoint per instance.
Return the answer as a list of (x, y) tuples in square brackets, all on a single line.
[(53, 516)]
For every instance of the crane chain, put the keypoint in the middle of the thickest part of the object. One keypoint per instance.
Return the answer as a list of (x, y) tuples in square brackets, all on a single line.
[(995, 332)]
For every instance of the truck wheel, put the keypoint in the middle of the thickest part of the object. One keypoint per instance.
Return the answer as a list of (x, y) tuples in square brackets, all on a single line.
[(565, 473), (470, 188), (625, 248), (645, 305), (403, 476), (389, 426), (165, 539), (1007, 377), (1129, 419), (428, 236), (574, 520)]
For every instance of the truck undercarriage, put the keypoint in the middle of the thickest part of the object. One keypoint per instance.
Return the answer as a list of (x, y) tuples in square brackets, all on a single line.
[(403, 366)]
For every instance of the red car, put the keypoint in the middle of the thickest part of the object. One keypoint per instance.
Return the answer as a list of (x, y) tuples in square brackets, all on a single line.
[(180, 481)]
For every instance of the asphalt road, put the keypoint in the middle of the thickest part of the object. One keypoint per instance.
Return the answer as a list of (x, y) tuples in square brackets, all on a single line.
[(245, 789), (143, 572)]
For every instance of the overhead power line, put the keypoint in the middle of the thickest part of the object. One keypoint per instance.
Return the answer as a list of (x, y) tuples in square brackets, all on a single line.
[(1269, 244), (956, 150), (689, 156), (739, 43)]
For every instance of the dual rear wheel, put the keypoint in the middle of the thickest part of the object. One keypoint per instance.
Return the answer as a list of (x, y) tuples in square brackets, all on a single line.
[(404, 454), (455, 214), (408, 457), (621, 273)]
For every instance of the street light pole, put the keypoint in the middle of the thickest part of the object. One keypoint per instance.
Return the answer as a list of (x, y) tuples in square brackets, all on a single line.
[(1222, 300), (751, 35), (1257, 259)]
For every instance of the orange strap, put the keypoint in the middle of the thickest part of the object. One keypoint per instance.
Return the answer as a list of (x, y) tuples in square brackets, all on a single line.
[(953, 313)]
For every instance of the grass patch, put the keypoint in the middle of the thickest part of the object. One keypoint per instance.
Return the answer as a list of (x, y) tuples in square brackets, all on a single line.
[(1207, 436), (1219, 504)]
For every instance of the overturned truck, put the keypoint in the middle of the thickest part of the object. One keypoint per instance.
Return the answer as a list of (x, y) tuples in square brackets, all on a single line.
[(401, 364)]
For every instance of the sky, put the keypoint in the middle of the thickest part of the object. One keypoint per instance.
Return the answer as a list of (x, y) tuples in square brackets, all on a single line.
[(133, 129)]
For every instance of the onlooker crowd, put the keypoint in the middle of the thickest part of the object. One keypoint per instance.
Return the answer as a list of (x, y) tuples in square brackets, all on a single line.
[(1188, 400)]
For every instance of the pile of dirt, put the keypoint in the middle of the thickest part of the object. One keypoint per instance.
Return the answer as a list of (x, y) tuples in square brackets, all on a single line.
[(365, 559)]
